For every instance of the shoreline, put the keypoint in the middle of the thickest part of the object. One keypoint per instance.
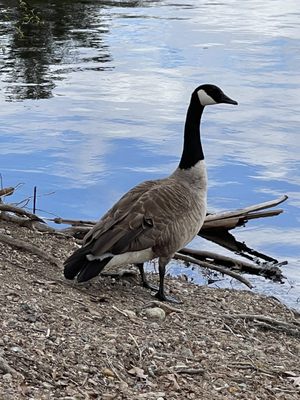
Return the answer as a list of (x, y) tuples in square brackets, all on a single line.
[(109, 339)]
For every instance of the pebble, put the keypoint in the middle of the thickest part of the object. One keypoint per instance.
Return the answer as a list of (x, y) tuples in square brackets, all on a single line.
[(152, 395), (47, 385), (186, 352), (155, 313), (130, 313), (7, 377), (83, 367), (297, 348), (5, 339), (16, 349), (154, 325)]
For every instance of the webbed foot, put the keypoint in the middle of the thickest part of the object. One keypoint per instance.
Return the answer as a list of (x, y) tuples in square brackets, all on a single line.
[(149, 285), (162, 297)]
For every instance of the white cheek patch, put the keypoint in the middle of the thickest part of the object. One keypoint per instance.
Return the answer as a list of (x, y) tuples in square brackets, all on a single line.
[(205, 99)]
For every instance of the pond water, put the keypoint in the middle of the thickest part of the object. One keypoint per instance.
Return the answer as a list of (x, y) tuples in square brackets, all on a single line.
[(94, 95)]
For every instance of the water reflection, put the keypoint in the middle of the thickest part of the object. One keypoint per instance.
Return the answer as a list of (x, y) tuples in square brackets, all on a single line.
[(47, 39)]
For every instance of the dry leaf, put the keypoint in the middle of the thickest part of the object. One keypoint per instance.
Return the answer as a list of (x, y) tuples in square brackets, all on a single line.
[(108, 372), (173, 379), (139, 372)]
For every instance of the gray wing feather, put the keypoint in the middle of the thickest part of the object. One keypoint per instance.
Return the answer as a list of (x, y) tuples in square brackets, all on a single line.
[(150, 215)]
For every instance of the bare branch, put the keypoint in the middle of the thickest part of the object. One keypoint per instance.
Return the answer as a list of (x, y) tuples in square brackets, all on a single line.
[(19, 211)]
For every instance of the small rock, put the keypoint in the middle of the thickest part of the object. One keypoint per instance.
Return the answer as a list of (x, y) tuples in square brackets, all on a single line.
[(154, 325), (16, 349), (25, 307), (130, 313), (7, 377), (155, 313), (31, 318), (186, 352), (82, 367), (5, 338), (297, 348), (123, 386), (47, 385), (152, 395)]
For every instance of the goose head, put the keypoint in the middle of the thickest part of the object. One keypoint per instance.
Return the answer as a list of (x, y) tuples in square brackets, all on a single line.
[(211, 94)]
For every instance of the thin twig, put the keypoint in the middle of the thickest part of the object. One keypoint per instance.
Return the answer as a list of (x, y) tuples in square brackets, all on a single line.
[(113, 368), (120, 311), (189, 370), (137, 345)]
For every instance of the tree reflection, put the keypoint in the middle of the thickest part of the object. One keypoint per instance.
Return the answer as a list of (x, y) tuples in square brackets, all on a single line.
[(42, 41)]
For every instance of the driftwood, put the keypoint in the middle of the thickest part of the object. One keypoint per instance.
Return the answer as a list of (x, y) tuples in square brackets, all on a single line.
[(20, 211), (215, 228), (232, 219), (268, 270)]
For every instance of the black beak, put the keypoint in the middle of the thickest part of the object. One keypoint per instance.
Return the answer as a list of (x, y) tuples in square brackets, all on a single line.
[(228, 100)]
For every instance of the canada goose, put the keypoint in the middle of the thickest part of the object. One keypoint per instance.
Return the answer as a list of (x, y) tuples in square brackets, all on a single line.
[(156, 218)]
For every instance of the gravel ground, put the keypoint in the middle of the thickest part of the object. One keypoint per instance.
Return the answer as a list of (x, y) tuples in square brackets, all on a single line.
[(109, 339)]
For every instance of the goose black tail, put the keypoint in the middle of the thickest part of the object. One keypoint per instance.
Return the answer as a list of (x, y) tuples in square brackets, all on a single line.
[(78, 264), (92, 269)]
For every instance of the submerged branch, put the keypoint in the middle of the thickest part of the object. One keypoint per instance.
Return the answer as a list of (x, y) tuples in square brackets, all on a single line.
[(204, 264), (268, 270)]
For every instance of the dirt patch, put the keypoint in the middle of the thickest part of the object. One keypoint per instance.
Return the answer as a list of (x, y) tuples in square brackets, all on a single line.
[(109, 339)]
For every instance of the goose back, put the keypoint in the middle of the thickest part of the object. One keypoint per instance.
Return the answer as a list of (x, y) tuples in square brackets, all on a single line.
[(164, 215)]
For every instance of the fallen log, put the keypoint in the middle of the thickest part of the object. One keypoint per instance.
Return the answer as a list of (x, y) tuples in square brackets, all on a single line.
[(267, 270)]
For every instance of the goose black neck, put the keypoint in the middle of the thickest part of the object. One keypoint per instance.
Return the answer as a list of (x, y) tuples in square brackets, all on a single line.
[(192, 148)]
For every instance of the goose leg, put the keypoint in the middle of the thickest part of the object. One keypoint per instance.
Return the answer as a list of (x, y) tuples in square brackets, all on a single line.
[(161, 291), (145, 283)]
